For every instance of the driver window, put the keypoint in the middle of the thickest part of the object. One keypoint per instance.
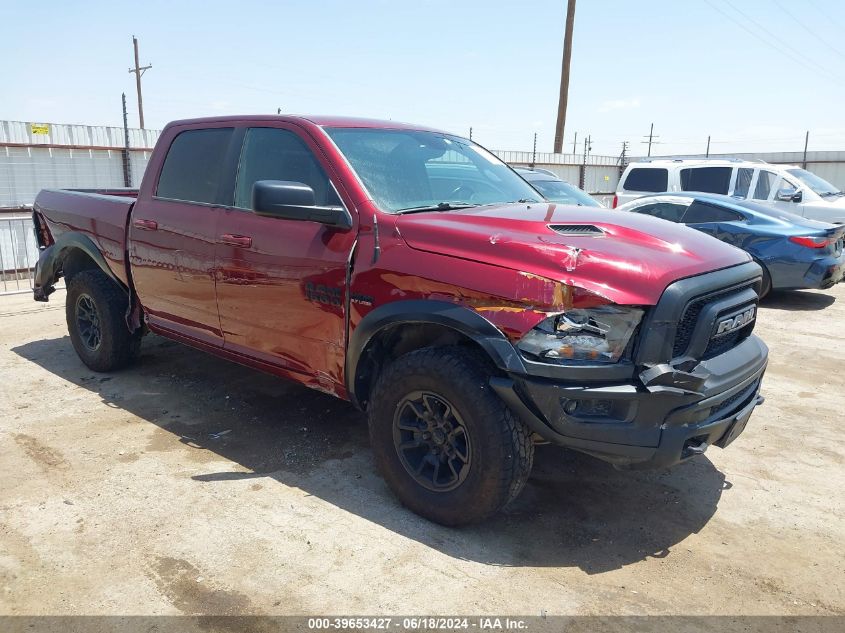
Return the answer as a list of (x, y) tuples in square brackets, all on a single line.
[(275, 154)]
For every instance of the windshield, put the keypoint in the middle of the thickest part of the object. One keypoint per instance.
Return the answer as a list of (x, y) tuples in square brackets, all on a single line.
[(819, 185), (563, 192), (413, 170)]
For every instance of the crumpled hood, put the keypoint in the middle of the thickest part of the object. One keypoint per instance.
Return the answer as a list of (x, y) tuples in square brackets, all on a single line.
[(630, 261)]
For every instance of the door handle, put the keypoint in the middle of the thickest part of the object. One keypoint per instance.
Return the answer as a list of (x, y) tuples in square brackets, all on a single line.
[(244, 241), (146, 225)]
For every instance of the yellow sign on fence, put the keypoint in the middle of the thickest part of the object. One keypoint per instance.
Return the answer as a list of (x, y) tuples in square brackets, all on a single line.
[(39, 128)]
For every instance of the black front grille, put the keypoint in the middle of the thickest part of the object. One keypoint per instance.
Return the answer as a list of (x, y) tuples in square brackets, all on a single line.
[(728, 341), (686, 326)]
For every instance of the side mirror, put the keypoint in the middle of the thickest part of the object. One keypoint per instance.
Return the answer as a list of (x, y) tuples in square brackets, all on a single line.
[(295, 201), (789, 194)]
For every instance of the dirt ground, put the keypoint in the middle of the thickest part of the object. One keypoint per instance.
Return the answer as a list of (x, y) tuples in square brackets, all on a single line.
[(189, 485)]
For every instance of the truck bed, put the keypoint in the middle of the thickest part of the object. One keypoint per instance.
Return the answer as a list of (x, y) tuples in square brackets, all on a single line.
[(99, 214)]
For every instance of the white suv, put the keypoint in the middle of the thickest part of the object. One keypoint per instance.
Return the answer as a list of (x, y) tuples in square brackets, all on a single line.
[(787, 187)]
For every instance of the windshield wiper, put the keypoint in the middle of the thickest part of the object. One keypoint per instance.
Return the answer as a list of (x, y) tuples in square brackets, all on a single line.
[(440, 206)]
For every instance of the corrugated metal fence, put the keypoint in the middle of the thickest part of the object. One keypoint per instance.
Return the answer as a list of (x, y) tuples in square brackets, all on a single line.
[(35, 156)]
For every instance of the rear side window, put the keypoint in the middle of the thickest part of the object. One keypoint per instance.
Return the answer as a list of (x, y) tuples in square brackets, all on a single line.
[(193, 165), (743, 181), (700, 212), (764, 185), (664, 210), (647, 179), (706, 179)]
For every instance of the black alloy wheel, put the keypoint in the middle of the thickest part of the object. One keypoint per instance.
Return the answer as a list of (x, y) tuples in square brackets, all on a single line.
[(431, 441), (88, 322)]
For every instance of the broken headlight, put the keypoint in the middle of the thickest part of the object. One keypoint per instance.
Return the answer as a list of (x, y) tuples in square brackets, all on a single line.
[(596, 334)]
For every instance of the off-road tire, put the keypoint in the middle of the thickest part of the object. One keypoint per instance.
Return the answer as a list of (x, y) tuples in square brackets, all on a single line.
[(502, 450), (117, 346)]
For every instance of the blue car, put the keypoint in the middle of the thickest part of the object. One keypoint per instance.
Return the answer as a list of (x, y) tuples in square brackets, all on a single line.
[(794, 252)]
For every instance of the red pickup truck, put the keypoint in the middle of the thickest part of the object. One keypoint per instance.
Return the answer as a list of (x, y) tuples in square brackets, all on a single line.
[(413, 273)]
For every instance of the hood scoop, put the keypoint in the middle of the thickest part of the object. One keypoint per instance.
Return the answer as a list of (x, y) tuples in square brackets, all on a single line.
[(576, 229)]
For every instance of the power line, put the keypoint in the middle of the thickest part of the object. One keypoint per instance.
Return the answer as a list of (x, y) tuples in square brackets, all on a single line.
[(829, 17), (813, 32), (774, 36), (765, 41)]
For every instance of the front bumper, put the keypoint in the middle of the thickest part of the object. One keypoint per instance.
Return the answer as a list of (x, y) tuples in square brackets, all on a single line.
[(633, 425)]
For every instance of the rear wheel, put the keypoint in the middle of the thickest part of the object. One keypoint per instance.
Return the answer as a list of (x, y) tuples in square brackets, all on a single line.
[(447, 446), (94, 309)]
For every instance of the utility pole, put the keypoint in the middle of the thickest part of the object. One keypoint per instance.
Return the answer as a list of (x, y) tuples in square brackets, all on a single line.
[(806, 142), (534, 153), (278, 110), (587, 149), (707, 155), (623, 157), (575, 144), (651, 136), (564, 77), (139, 70), (127, 171), (470, 132)]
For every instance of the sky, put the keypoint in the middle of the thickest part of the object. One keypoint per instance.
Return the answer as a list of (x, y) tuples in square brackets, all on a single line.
[(752, 74)]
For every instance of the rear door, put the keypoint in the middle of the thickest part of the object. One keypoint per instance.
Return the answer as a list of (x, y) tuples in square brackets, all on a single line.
[(173, 232), (281, 284), (706, 179)]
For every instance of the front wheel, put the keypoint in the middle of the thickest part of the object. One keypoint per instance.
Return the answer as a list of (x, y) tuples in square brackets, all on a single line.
[(447, 446), (94, 309)]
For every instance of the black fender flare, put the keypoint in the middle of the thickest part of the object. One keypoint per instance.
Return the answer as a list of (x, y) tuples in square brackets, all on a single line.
[(423, 311), (52, 258)]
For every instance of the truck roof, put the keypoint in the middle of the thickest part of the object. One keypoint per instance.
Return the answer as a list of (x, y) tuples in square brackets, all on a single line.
[(321, 120)]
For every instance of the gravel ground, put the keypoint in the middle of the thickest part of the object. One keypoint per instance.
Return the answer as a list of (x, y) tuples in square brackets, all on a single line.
[(189, 485)]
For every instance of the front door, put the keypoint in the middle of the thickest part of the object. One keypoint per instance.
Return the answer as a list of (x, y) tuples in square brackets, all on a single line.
[(281, 284), (172, 236)]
